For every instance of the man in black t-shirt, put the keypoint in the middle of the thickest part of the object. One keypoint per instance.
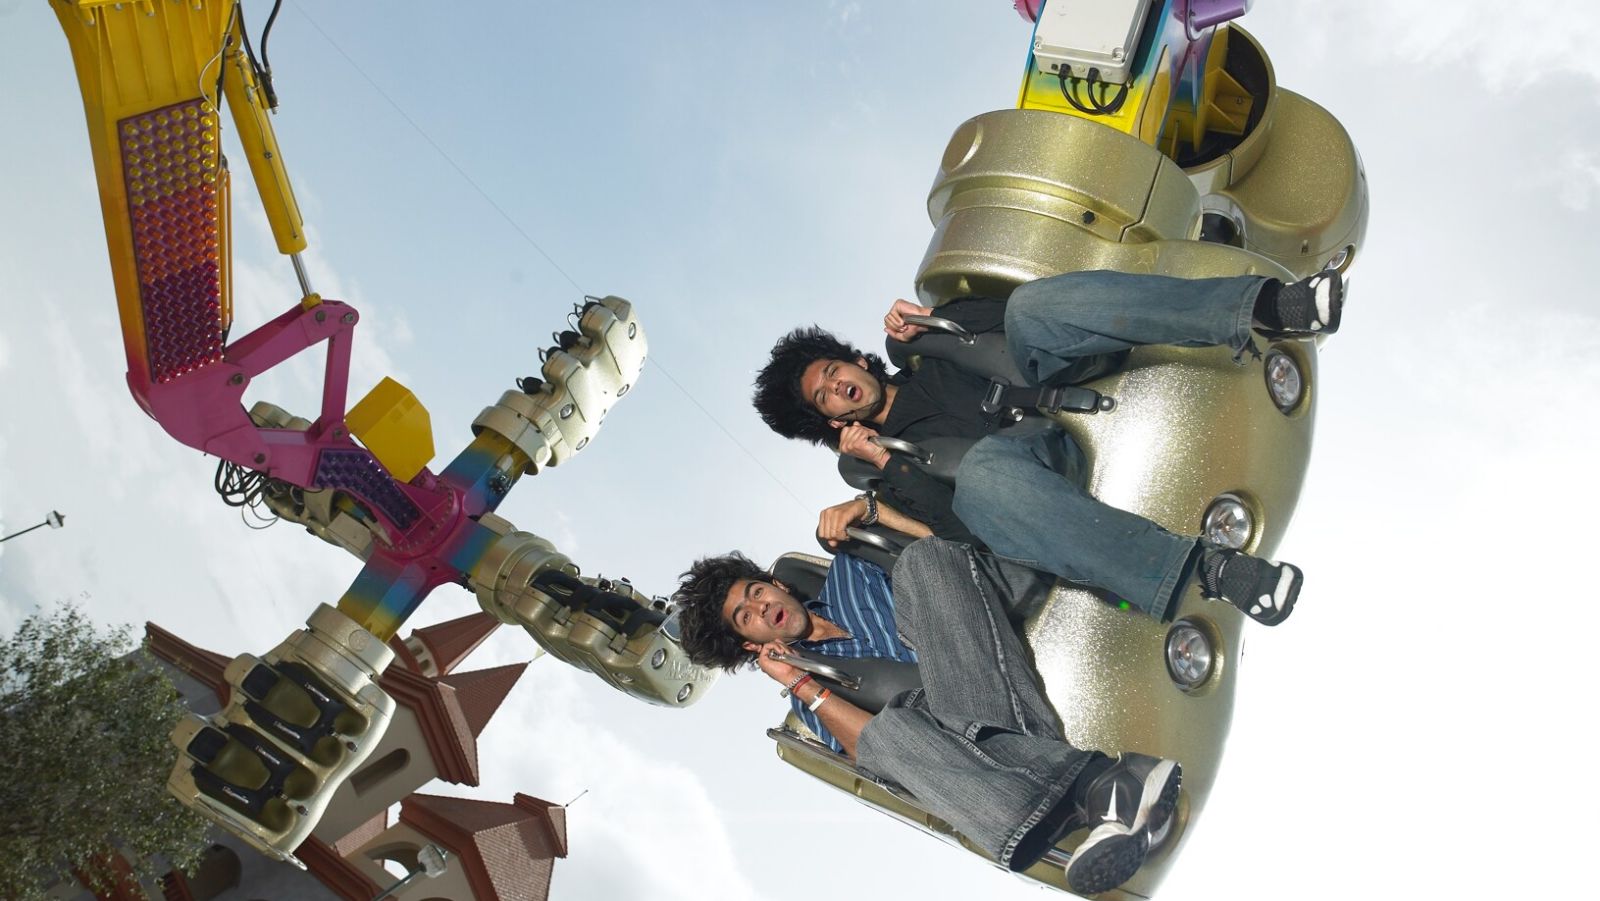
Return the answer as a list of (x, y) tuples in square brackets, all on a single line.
[(1023, 495)]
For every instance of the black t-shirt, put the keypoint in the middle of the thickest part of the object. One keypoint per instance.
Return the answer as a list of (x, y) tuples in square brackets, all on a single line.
[(939, 400)]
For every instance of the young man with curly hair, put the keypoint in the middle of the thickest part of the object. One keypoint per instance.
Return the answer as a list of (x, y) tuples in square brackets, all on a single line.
[(1023, 496), (977, 744)]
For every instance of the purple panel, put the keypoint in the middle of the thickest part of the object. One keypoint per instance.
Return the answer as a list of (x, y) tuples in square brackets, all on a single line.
[(182, 321), (357, 472), (1206, 13), (169, 159)]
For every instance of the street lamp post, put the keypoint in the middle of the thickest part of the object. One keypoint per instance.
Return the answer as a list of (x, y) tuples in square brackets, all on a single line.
[(54, 520), (430, 863)]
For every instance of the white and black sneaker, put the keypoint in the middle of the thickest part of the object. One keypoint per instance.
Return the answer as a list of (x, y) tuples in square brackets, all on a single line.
[(1131, 801), (1308, 307), (1263, 589)]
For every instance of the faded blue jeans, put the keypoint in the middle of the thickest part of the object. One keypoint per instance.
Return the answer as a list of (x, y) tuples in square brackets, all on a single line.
[(1025, 497), (977, 745)]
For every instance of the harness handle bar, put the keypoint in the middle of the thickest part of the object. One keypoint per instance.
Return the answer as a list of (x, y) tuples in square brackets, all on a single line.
[(871, 539), (939, 323), (902, 446), (818, 669)]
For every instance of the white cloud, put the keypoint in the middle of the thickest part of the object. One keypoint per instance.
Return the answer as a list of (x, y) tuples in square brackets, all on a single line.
[(639, 819), (1497, 46), (264, 289), (1577, 178)]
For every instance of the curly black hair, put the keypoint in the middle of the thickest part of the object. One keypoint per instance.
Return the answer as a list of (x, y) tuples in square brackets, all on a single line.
[(778, 398), (707, 638)]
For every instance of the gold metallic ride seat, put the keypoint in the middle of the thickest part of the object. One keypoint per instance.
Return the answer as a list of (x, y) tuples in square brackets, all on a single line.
[(1196, 442)]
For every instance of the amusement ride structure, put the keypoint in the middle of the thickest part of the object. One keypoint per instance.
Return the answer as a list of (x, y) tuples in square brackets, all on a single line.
[(1149, 136)]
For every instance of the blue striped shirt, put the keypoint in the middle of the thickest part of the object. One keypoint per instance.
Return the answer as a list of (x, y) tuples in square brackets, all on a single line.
[(856, 598)]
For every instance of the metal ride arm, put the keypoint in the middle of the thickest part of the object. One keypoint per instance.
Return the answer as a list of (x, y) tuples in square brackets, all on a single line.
[(303, 717)]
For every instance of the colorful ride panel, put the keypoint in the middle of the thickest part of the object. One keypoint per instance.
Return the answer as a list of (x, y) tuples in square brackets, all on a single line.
[(304, 717)]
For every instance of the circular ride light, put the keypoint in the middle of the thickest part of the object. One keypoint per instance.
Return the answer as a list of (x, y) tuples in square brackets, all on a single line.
[(1284, 382), (1341, 260), (1228, 523), (1189, 656)]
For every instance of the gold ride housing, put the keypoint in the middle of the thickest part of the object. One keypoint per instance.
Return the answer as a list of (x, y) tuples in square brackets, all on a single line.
[(1024, 194), (297, 723)]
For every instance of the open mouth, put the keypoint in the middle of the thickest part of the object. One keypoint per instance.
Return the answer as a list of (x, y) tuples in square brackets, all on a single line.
[(852, 392), (778, 616)]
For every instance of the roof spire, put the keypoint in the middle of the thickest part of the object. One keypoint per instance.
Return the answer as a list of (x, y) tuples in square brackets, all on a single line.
[(440, 648)]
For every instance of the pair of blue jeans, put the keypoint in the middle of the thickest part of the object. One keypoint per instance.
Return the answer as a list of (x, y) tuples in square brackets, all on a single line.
[(978, 745), (1024, 496)]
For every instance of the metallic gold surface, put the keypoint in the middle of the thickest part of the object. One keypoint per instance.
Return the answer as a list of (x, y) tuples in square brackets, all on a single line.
[(581, 385), (347, 660), (1306, 199), (649, 665), (1022, 195), (1295, 186)]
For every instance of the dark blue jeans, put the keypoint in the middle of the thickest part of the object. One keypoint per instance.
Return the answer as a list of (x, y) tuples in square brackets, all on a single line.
[(978, 744), (1024, 497)]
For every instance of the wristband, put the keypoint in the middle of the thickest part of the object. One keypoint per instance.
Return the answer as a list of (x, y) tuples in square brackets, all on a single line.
[(792, 687), (816, 702), (871, 497)]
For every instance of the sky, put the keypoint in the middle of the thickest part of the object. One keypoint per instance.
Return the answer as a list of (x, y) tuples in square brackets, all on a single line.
[(469, 173)]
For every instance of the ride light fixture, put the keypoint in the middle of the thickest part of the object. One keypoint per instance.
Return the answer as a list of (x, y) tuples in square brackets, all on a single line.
[(1284, 382), (1227, 522), (1341, 260), (1189, 655)]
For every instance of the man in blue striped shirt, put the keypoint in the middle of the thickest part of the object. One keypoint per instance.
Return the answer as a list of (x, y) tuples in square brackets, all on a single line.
[(977, 743)]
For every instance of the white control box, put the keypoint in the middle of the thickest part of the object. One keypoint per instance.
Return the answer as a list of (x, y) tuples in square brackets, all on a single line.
[(1089, 34)]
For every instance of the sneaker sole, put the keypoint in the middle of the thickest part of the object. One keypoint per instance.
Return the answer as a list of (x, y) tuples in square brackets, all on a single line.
[(1106, 859), (1113, 853), (1329, 303), (1158, 800), (1283, 596)]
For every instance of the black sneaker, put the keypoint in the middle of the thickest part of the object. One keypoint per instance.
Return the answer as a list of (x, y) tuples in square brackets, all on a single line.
[(1310, 306), (1124, 806), (1264, 590)]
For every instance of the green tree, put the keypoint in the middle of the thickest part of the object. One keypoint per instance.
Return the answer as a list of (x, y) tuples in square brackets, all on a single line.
[(84, 757)]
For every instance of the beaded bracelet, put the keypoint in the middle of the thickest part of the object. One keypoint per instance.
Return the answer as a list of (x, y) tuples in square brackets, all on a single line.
[(792, 687)]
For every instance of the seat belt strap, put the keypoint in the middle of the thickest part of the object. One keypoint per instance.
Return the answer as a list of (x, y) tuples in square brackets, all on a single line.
[(1071, 398)]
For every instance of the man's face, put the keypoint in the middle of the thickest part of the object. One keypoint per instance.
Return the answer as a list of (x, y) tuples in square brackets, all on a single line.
[(759, 612), (842, 391)]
